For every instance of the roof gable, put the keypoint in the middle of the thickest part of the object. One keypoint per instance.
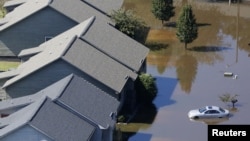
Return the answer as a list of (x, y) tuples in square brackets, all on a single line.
[(53, 50), (98, 65), (53, 91), (116, 44), (22, 12), (75, 93), (29, 7), (19, 118), (71, 103), (120, 47), (65, 7), (106, 5), (60, 124), (80, 95), (68, 126), (69, 47)]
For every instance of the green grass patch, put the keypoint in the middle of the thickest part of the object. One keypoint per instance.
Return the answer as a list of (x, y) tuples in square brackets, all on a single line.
[(6, 65), (3, 11)]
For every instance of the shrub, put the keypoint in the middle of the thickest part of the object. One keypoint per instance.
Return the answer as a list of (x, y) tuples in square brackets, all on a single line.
[(146, 88), (127, 22)]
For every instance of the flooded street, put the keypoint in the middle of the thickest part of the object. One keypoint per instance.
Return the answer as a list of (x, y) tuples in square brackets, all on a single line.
[(189, 79)]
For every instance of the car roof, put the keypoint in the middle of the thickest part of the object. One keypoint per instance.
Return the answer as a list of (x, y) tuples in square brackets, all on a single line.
[(212, 107)]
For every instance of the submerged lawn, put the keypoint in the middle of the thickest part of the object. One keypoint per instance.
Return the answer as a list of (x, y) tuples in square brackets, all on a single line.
[(6, 65)]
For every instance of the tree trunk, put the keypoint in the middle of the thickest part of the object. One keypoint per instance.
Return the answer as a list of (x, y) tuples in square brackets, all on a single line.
[(185, 45)]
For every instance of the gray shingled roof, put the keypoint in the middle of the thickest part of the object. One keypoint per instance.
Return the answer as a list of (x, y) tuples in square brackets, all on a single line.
[(116, 44), (105, 37), (19, 118), (77, 10), (54, 49), (106, 5), (50, 119), (22, 12), (98, 65), (74, 9), (53, 91), (60, 124), (77, 94), (79, 54), (90, 101), (73, 92), (120, 47)]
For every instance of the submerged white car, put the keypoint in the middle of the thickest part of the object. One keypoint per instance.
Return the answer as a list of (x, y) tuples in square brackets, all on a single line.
[(210, 121), (208, 112)]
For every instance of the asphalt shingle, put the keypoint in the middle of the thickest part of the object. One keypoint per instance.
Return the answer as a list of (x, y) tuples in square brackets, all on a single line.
[(61, 125), (90, 101)]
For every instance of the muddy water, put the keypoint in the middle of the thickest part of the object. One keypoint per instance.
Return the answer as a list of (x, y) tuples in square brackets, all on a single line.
[(191, 78)]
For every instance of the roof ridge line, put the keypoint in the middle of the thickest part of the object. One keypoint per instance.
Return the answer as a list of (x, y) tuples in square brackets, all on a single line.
[(23, 11), (97, 88)]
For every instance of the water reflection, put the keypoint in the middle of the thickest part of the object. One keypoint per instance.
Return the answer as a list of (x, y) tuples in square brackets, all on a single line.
[(185, 61), (216, 33), (143, 120), (146, 114), (186, 69), (160, 59), (210, 121), (222, 45), (166, 88), (141, 137), (227, 21)]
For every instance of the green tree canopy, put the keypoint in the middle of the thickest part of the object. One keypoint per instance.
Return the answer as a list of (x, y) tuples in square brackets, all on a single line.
[(146, 87), (127, 22), (163, 9), (187, 29)]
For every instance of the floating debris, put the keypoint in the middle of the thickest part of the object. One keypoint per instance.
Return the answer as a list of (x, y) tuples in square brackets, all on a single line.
[(228, 74), (235, 76)]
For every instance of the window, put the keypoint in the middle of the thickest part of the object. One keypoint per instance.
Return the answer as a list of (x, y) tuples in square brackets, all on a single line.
[(201, 110), (215, 112), (222, 110)]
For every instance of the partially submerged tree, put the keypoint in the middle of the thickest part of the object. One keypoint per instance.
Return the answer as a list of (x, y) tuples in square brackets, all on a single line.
[(229, 98), (127, 22), (187, 29), (146, 88), (163, 9)]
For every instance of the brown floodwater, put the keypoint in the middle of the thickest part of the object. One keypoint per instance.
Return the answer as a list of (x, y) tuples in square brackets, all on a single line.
[(192, 78)]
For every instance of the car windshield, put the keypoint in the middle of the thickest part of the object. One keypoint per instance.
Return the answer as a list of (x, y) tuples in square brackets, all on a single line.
[(201, 110), (222, 110)]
